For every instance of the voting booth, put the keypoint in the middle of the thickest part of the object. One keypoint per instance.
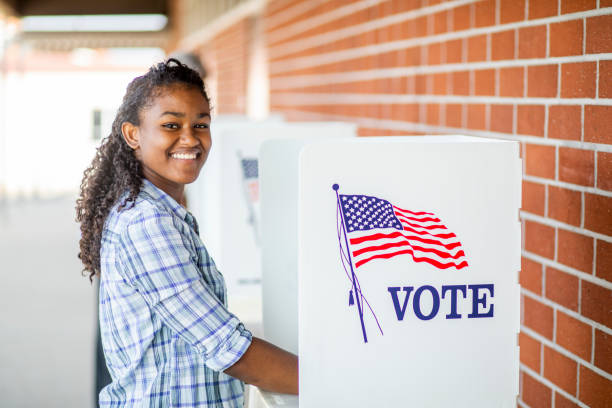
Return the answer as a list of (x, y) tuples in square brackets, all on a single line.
[(391, 266)]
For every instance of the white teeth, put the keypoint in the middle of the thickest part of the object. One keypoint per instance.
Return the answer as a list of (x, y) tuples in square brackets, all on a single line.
[(184, 156)]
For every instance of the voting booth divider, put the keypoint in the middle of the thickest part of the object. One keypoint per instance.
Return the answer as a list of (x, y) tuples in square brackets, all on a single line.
[(390, 265), (225, 199)]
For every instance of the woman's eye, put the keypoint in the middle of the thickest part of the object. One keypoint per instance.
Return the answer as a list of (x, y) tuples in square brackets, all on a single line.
[(201, 126), (171, 125)]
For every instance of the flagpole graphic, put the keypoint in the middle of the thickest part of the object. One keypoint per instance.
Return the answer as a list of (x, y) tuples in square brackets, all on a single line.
[(358, 294)]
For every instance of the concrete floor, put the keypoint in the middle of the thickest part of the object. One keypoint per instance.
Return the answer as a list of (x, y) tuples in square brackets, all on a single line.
[(47, 309)]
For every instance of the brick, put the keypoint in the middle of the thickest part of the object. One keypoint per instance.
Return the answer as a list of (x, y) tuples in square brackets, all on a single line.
[(434, 54), (454, 115), (461, 18), (533, 197), (598, 213), (538, 317), (530, 277), (530, 120), (575, 250), (461, 83), (595, 303), (605, 79), (564, 205), (594, 389), (540, 160), (502, 45), (560, 370), (454, 51), (433, 114), (511, 11), (603, 265), (542, 80), (573, 6), (476, 117), (540, 239), (484, 13), (577, 166), (578, 80), (603, 350), (574, 335), (599, 34), (597, 124), (564, 122), (604, 170), (605, 3), (420, 84), (439, 22), (562, 402), (440, 84), (536, 394), (511, 81), (530, 351), (562, 288), (542, 8), (501, 118), (566, 38), (532, 42), (477, 48), (484, 82)]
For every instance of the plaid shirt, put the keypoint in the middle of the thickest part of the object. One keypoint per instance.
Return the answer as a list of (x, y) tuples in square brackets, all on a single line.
[(166, 332)]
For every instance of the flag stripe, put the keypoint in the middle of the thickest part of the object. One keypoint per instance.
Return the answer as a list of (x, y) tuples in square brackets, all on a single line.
[(428, 227), (412, 212), (441, 254), (444, 236), (373, 237), (433, 262)]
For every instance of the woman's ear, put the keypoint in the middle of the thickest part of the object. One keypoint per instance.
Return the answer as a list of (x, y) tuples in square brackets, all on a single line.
[(130, 134)]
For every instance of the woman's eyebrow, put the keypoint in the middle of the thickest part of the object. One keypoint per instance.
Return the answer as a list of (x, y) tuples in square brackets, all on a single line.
[(178, 114), (181, 114)]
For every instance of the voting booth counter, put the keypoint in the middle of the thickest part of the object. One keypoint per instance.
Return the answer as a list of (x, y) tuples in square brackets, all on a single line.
[(390, 265)]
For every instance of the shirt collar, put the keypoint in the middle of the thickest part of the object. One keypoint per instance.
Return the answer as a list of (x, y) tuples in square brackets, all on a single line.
[(170, 203)]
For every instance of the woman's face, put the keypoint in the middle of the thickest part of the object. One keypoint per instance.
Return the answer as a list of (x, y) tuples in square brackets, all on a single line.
[(173, 139)]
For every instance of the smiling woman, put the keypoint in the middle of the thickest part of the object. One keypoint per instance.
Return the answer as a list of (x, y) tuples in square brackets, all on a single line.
[(167, 335)]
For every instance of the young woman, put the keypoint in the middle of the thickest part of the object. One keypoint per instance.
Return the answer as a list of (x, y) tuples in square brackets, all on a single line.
[(167, 335)]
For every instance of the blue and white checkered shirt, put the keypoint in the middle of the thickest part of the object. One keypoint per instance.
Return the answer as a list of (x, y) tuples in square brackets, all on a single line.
[(166, 332)]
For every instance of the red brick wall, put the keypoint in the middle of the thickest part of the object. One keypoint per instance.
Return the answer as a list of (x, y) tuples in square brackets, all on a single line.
[(535, 71), (225, 57)]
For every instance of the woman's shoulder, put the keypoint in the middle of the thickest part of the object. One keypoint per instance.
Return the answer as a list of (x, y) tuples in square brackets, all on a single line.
[(124, 213)]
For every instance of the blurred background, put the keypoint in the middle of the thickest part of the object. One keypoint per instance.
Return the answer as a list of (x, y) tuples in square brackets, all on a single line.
[(538, 72)]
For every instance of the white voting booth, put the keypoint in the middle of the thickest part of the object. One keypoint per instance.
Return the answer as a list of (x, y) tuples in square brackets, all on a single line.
[(391, 267), (225, 199)]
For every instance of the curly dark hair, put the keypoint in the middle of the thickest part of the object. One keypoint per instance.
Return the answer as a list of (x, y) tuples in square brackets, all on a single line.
[(115, 169)]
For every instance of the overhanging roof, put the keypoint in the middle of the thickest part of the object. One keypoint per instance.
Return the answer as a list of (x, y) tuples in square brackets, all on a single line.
[(75, 7)]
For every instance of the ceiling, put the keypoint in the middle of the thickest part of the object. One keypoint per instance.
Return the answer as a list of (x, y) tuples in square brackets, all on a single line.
[(75, 7)]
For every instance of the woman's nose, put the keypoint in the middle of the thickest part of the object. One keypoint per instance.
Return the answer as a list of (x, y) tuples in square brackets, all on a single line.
[(189, 137)]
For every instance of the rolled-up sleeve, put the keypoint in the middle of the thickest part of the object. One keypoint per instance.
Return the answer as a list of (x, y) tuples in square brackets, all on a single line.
[(160, 266)]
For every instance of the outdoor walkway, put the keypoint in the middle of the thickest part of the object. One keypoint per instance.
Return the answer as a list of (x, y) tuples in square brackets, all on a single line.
[(47, 309)]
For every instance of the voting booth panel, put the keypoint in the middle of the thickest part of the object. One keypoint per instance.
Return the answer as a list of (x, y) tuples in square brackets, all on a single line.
[(409, 252), (226, 198)]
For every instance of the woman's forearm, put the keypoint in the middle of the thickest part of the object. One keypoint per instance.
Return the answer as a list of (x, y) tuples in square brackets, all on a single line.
[(267, 367)]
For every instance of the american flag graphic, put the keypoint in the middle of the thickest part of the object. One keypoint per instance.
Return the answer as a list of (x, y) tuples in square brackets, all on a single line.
[(250, 175), (376, 229)]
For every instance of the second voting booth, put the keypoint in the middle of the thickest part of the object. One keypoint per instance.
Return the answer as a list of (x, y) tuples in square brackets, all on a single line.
[(391, 266)]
